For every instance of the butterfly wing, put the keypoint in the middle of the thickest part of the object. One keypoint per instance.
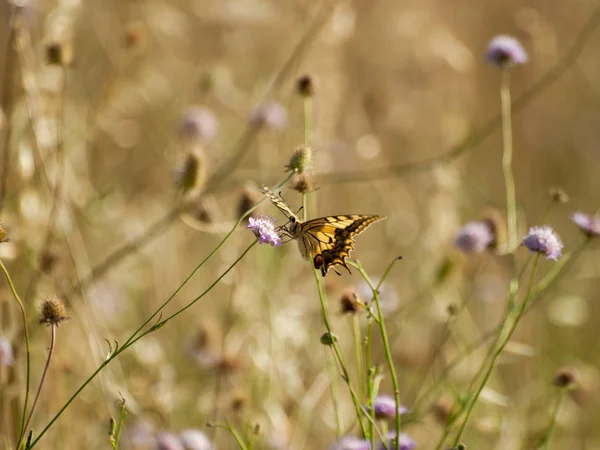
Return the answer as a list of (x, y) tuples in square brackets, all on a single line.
[(328, 241), (280, 203)]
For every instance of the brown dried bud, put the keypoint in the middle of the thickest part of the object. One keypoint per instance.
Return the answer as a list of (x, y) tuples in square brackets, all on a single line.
[(53, 311), (566, 377), (302, 183), (305, 86), (349, 303), (559, 195)]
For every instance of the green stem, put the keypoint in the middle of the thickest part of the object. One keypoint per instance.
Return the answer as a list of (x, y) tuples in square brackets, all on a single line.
[(27, 349), (546, 437), (358, 350), (511, 208)]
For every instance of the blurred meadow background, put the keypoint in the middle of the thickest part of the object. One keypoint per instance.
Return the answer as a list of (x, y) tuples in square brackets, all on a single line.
[(134, 135)]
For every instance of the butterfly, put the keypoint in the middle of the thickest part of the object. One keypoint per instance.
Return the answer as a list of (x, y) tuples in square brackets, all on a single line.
[(327, 241)]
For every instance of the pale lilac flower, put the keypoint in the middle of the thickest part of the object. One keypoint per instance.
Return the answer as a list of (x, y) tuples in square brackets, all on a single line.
[(263, 228), (405, 442), (505, 51), (388, 297), (475, 237), (195, 440), (351, 443), (168, 441), (198, 124), (384, 407), (590, 225), (6, 353), (269, 115), (543, 240)]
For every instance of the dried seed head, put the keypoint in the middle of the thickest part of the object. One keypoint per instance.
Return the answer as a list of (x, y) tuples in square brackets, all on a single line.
[(135, 35), (191, 173), (300, 160), (58, 54), (228, 364), (47, 261), (248, 198), (53, 311), (238, 401), (566, 377), (559, 195), (3, 234), (302, 183), (201, 212), (497, 225), (305, 86), (349, 303), (442, 410)]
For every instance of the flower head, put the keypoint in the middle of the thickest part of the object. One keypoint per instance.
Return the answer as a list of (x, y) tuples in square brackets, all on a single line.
[(384, 407), (505, 51), (351, 443), (269, 115), (195, 440), (475, 237), (263, 228), (52, 311), (566, 377), (405, 442), (300, 160), (305, 86), (590, 225), (545, 241), (198, 124), (168, 441), (6, 353), (388, 297)]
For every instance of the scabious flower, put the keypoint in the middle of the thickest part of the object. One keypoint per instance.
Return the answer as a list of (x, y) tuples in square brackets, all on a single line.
[(590, 225), (543, 240), (351, 443), (6, 353), (384, 407), (475, 237), (388, 297), (195, 440), (198, 124), (405, 442), (168, 441), (268, 115), (505, 51), (263, 228)]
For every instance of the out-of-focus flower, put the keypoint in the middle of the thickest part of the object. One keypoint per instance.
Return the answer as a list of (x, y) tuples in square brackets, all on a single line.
[(195, 440), (349, 303), (559, 195), (566, 377), (388, 297), (543, 240), (199, 125), (52, 311), (305, 86), (263, 228), (475, 237), (6, 353), (300, 160), (302, 183), (269, 115), (589, 225), (168, 441), (384, 407), (59, 54), (405, 442), (351, 443), (3, 234), (505, 51), (247, 199), (191, 173), (141, 434)]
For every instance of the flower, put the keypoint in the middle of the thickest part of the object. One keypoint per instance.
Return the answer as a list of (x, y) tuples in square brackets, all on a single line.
[(351, 443), (305, 86), (52, 311), (388, 297), (475, 237), (190, 173), (168, 441), (590, 225), (543, 240), (269, 115), (195, 440), (566, 377), (405, 442), (385, 407), (505, 51), (198, 124), (263, 228), (300, 160), (6, 353)]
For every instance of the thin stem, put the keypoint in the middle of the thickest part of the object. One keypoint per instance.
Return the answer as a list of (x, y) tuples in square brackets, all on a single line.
[(27, 348), (503, 340), (511, 204), (370, 378), (387, 272), (339, 426), (44, 373), (358, 350), (546, 437)]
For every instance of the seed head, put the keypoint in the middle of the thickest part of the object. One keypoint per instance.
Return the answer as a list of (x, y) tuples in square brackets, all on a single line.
[(305, 86), (349, 303), (135, 35), (300, 160), (559, 195), (191, 173), (268, 115), (566, 377), (475, 237), (58, 54), (302, 183), (543, 240), (3, 234), (505, 51), (53, 311), (263, 228), (247, 199), (589, 225), (198, 125)]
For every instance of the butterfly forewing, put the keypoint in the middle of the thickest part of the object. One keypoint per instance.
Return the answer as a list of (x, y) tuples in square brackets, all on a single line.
[(327, 241)]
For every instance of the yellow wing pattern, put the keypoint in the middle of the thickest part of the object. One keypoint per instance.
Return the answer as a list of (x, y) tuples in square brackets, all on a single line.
[(327, 241)]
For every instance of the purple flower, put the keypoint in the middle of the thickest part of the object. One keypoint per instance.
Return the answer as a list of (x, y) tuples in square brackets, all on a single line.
[(590, 225), (505, 51), (405, 442), (385, 407), (263, 228), (475, 237), (195, 440), (545, 241), (269, 115), (6, 353), (351, 443), (168, 441), (198, 124)]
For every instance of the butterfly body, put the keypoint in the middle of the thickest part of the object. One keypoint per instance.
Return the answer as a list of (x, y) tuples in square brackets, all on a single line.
[(327, 241)]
